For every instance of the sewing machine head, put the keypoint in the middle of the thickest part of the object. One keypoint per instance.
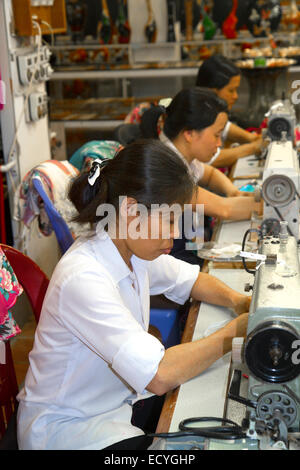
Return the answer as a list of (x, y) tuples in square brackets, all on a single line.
[(271, 350), (280, 187), (281, 121)]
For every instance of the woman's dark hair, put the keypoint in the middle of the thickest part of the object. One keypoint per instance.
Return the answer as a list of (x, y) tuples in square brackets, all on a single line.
[(216, 72), (145, 170), (191, 109)]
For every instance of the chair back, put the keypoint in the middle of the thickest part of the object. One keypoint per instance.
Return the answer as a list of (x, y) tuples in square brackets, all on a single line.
[(33, 280), (60, 227)]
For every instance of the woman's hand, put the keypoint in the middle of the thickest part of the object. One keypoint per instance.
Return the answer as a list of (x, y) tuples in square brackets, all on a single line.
[(242, 304), (259, 145), (241, 324)]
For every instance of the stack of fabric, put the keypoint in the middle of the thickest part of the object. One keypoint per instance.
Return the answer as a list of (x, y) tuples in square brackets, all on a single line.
[(83, 158), (56, 177)]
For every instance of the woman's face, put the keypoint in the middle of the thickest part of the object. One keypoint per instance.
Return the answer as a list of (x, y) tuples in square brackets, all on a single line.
[(150, 233), (204, 144), (157, 232), (229, 92)]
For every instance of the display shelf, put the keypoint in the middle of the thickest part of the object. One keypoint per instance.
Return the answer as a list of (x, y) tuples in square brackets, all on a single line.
[(95, 109), (137, 54), (148, 72), (109, 125), (123, 75)]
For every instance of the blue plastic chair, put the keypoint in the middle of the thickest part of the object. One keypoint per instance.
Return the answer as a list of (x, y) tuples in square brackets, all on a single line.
[(61, 229), (167, 321)]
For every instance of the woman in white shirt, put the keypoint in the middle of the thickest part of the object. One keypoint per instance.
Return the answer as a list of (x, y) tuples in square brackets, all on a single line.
[(223, 77), (92, 355), (193, 125)]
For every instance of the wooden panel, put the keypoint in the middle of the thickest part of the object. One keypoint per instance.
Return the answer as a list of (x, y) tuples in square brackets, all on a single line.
[(55, 16), (171, 397)]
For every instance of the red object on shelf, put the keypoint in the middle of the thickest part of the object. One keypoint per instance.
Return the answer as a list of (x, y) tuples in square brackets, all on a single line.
[(229, 25)]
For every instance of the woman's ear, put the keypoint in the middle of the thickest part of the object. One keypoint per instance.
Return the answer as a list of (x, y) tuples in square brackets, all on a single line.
[(187, 136), (128, 207)]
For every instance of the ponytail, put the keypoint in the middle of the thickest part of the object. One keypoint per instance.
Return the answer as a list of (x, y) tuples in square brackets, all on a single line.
[(149, 121), (87, 198)]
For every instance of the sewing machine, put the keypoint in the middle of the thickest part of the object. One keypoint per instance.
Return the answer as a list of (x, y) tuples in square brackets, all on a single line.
[(280, 188), (281, 121), (271, 350)]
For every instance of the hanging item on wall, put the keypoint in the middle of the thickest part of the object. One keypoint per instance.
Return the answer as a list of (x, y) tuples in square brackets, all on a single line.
[(122, 23), (104, 29), (222, 8), (263, 17), (209, 26), (171, 7), (76, 17), (291, 19), (150, 28), (229, 25), (188, 6)]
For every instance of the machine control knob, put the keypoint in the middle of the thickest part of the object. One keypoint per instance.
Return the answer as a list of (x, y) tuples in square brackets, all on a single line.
[(237, 350), (248, 287)]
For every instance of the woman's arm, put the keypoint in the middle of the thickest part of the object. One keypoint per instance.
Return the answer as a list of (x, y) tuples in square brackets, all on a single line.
[(216, 181), (229, 156), (185, 361), (226, 208), (211, 290), (240, 135)]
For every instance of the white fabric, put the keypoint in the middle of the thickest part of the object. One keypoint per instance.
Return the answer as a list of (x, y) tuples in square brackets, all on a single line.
[(223, 137), (92, 354), (196, 167), (225, 131)]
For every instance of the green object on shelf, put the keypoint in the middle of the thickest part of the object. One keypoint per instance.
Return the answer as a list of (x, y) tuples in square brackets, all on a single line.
[(260, 62), (209, 27)]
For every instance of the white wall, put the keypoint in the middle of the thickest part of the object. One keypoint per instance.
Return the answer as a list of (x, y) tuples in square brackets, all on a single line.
[(33, 144)]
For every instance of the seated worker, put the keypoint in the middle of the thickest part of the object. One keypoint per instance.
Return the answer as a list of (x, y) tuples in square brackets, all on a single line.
[(193, 124), (221, 76), (92, 354)]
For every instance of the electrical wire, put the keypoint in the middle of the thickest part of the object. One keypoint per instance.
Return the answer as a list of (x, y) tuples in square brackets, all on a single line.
[(233, 431), (250, 230), (50, 30), (29, 90)]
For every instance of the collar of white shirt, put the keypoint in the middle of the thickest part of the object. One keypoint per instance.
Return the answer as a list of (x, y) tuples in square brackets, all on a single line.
[(108, 255)]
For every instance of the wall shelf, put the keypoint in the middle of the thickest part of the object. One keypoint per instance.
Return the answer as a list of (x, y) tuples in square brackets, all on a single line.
[(54, 16)]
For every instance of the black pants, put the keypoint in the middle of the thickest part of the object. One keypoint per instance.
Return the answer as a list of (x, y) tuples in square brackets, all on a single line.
[(145, 415), (134, 443), (179, 251)]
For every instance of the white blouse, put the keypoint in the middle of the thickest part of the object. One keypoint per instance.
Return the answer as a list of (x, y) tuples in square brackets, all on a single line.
[(223, 137), (196, 167), (92, 355)]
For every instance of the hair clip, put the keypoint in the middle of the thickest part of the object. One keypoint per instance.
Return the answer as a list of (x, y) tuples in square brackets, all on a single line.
[(165, 102), (95, 170)]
